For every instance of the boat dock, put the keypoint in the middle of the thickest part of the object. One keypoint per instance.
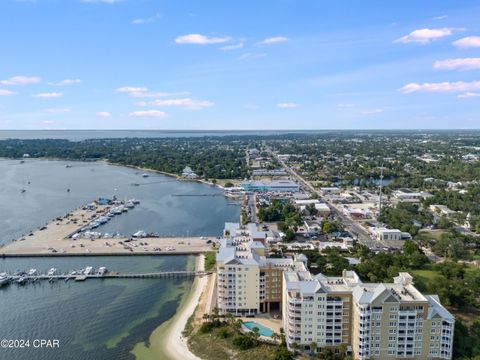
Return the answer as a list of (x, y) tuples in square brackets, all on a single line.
[(76, 234), (25, 279)]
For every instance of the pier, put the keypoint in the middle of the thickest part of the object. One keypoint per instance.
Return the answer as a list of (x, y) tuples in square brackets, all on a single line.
[(74, 235), (26, 279)]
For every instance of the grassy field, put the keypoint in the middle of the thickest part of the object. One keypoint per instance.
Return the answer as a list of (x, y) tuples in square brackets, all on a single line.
[(210, 260), (432, 234), (214, 346)]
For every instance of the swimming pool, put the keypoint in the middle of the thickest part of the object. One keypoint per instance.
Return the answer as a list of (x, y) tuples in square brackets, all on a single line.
[(263, 331)]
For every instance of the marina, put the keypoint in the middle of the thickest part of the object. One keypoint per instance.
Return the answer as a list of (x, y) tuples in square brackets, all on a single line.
[(146, 290), (76, 233)]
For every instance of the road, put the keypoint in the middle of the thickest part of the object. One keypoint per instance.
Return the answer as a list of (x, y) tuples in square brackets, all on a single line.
[(252, 207), (355, 228)]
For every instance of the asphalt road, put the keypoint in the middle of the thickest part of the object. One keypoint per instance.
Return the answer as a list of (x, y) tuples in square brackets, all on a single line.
[(353, 227)]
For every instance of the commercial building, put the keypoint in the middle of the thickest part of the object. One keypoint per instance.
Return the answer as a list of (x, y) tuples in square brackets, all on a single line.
[(267, 172), (409, 195), (322, 208), (369, 320), (274, 186), (385, 234)]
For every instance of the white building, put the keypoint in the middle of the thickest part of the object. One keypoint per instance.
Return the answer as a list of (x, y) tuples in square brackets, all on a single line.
[(247, 281), (188, 173), (441, 210), (382, 233), (409, 195), (322, 208), (371, 320)]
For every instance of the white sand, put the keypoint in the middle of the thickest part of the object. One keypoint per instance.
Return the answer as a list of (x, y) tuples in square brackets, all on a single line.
[(175, 344)]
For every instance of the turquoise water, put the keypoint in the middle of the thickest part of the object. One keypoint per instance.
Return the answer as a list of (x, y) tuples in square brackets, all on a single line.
[(263, 330)]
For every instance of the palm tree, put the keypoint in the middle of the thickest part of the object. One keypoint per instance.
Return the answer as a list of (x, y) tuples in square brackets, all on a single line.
[(237, 324), (313, 348), (275, 337)]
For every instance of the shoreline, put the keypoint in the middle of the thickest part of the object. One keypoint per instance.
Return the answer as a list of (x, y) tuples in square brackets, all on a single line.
[(167, 341), (106, 161)]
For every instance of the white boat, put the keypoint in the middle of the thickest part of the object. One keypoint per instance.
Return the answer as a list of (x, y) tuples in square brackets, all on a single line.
[(32, 272), (52, 272), (21, 280), (145, 175), (88, 270), (3, 281), (102, 271), (140, 234)]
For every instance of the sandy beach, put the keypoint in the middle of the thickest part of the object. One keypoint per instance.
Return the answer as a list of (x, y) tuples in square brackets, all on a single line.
[(167, 341)]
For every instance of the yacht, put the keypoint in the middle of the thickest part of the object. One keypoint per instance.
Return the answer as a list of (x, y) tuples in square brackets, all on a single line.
[(145, 175), (32, 272), (52, 272), (3, 280)]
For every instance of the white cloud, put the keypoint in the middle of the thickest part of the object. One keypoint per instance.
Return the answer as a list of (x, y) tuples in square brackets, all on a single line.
[(274, 40), (458, 64), (148, 114), (4, 92), (104, 114), (147, 20), (199, 39), (441, 17), (21, 80), (50, 95), (468, 42), (247, 56), (371, 111), (459, 86), (289, 105), (142, 92), (65, 82), (232, 47), (58, 110), (187, 103), (130, 89), (468, 95), (424, 36)]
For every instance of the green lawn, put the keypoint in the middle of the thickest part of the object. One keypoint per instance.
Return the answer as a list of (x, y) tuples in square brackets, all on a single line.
[(210, 260), (432, 234)]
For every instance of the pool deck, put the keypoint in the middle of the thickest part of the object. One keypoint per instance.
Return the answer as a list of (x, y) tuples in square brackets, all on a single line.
[(267, 321)]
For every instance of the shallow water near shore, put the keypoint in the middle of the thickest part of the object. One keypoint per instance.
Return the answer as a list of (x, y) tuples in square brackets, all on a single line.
[(104, 318)]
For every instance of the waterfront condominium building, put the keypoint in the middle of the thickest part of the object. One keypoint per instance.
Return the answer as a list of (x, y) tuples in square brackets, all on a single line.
[(369, 320), (248, 282)]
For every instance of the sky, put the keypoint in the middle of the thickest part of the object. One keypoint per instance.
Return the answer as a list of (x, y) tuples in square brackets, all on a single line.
[(250, 64)]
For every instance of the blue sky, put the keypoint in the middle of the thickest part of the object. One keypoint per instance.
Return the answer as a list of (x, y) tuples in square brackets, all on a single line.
[(285, 64)]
